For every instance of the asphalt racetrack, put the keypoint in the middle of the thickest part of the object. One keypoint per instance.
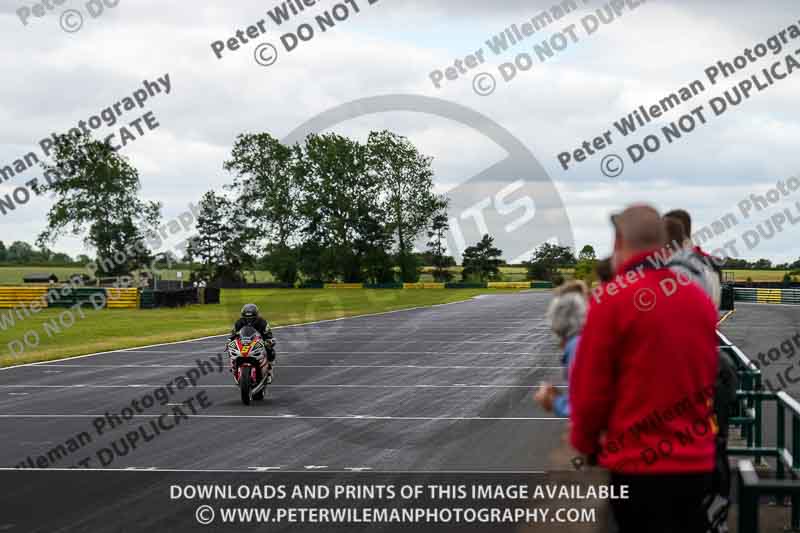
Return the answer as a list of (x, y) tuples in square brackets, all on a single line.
[(439, 390)]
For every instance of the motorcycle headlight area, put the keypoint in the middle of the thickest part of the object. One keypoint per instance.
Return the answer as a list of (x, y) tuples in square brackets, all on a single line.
[(258, 350)]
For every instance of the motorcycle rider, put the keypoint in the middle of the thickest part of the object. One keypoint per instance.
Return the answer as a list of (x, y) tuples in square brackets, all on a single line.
[(250, 316)]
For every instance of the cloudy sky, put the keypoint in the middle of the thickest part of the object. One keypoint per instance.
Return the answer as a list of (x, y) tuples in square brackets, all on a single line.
[(52, 79)]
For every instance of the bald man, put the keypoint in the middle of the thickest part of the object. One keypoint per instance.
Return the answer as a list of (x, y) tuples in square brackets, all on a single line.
[(642, 383)]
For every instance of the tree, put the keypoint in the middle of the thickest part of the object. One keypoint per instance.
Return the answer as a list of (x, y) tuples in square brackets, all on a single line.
[(585, 267), (547, 259), (61, 259), (437, 245), (206, 247), (268, 181), (373, 247), (340, 198), (83, 259), (587, 253), (3, 252), (763, 264), (97, 195), (223, 240), (482, 261), (166, 259), (406, 178), (20, 252), (43, 255)]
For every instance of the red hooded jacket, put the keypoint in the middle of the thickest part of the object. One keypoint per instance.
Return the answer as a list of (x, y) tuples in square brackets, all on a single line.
[(641, 386)]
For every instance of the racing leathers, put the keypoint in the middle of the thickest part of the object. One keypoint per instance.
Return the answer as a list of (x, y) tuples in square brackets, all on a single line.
[(262, 326)]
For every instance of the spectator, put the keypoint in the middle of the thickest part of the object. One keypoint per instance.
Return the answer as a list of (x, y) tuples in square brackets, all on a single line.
[(567, 313), (604, 270), (686, 220), (688, 262), (643, 351), (695, 265)]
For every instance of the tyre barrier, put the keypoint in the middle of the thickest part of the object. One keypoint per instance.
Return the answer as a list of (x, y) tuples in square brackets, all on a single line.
[(423, 286), (767, 296), (67, 297), (509, 285), (122, 298), (13, 296)]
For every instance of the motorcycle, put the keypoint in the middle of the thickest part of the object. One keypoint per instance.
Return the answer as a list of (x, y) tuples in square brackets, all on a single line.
[(249, 365)]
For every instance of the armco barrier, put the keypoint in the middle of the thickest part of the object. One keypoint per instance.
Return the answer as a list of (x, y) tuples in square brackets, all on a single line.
[(14, 296), (122, 298), (767, 296), (344, 286), (509, 285), (423, 285)]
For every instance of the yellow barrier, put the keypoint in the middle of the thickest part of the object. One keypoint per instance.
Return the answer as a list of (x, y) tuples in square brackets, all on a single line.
[(768, 296), (344, 285), (423, 285), (509, 285), (122, 298), (13, 296)]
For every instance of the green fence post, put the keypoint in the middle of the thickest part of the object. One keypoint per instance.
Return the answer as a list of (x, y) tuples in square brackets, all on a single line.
[(795, 461), (780, 437), (748, 507), (749, 429), (758, 387), (758, 425)]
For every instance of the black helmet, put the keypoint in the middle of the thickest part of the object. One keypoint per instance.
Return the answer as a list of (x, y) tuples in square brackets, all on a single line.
[(250, 313)]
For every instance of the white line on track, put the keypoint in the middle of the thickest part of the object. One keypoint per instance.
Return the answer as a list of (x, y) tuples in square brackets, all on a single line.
[(426, 367), (297, 386), (224, 335), (314, 353), (301, 417)]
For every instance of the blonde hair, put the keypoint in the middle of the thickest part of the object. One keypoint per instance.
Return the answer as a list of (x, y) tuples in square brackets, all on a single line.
[(574, 285)]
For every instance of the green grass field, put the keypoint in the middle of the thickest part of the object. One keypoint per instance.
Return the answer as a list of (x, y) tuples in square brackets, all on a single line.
[(121, 328), (13, 275), (759, 275)]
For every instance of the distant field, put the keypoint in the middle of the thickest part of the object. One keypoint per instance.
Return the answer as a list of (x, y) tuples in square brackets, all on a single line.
[(759, 275), (12, 275), (509, 273)]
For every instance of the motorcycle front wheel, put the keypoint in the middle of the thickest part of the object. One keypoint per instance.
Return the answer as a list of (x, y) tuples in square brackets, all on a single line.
[(244, 384)]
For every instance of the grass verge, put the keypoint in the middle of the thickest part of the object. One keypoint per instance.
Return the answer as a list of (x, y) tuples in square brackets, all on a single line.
[(97, 331)]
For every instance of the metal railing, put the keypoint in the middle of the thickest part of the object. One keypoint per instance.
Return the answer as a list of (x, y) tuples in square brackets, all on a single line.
[(747, 412), (748, 416)]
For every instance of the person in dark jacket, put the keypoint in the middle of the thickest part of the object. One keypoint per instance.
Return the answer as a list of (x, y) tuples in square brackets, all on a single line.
[(250, 316), (644, 372)]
